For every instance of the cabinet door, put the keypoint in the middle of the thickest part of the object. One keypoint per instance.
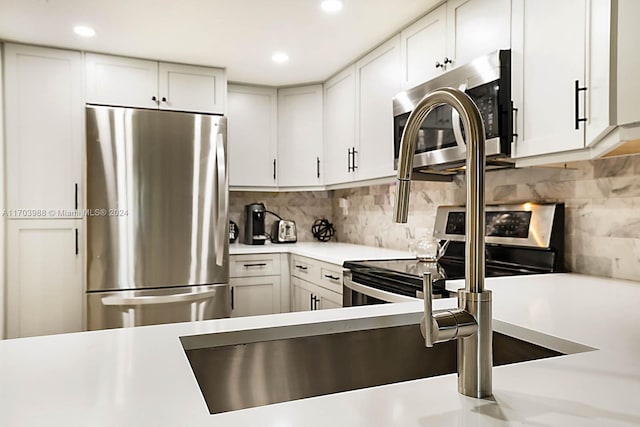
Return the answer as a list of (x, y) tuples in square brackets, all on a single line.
[(300, 136), (127, 82), (628, 88), (340, 127), (301, 298), (251, 296), (44, 277), (191, 88), (378, 77), (333, 300), (44, 130), (252, 136), (423, 45), (547, 60), (476, 28)]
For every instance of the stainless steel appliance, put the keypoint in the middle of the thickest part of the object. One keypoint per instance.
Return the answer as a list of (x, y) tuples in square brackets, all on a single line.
[(284, 231), (525, 238), (157, 226), (254, 229), (440, 149)]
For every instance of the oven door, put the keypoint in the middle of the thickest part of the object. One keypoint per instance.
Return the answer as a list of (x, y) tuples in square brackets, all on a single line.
[(357, 294)]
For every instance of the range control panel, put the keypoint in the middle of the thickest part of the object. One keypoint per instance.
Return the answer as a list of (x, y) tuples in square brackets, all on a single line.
[(498, 224)]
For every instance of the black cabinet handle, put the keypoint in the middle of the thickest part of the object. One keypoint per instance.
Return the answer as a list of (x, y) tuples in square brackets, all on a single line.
[(514, 125), (316, 300), (77, 243), (302, 267), (447, 61), (353, 159), (318, 167), (261, 264), (153, 98), (232, 298), (439, 65), (311, 302), (329, 276), (348, 159), (164, 99), (76, 196), (578, 119), (274, 169)]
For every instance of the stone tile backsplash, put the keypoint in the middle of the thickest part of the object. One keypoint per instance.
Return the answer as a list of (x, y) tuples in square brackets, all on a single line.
[(602, 202), (303, 207), (602, 210)]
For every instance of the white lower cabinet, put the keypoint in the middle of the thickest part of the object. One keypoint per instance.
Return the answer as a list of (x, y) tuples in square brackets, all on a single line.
[(315, 285), (45, 289), (255, 283), (251, 296)]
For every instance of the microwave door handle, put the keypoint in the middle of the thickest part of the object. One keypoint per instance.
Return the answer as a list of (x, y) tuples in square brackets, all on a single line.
[(457, 129), (455, 124)]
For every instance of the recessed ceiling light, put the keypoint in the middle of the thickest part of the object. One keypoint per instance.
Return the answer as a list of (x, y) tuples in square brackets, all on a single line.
[(280, 57), (331, 6), (84, 31)]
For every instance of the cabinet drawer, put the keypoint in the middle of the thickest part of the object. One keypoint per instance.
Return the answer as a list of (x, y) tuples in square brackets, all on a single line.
[(331, 279), (254, 265), (304, 268)]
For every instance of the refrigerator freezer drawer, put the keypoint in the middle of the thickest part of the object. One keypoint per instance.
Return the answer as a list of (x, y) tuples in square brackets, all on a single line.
[(119, 309)]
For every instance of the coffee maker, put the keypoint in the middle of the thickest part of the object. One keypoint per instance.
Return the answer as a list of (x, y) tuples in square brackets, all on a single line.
[(254, 231)]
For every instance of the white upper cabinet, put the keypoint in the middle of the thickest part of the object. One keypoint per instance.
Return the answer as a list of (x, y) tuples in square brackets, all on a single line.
[(340, 127), (44, 130), (561, 74), (628, 68), (378, 81), (252, 136), (451, 35), (423, 48), (476, 28), (191, 88), (127, 82), (130, 82), (300, 136)]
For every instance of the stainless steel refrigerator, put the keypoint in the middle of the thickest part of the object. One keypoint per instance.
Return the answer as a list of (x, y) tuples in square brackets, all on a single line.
[(157, 217)]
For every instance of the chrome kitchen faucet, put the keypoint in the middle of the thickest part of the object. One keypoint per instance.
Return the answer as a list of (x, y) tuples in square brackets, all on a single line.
[(470, 323)]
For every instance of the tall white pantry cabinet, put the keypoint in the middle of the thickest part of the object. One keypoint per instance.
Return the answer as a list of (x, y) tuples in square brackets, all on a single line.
[(44, 186)]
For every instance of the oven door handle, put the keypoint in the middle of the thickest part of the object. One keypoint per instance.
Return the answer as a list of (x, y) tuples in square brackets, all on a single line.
[(375, 293)]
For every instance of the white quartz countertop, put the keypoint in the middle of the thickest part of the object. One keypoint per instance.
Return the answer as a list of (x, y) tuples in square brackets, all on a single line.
[(141, 376), (334, 253)]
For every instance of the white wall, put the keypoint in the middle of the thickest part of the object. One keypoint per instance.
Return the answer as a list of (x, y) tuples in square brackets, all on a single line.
[(2, 218)]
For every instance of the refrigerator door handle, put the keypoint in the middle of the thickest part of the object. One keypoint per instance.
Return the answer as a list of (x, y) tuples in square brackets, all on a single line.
[(222, 229), (155, 299)]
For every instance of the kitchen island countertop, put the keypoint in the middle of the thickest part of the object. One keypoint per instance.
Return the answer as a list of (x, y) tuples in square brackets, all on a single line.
[(141, 376)]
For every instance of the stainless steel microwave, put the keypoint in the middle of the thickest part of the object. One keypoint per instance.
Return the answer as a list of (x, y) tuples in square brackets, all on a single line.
[(440, 147)]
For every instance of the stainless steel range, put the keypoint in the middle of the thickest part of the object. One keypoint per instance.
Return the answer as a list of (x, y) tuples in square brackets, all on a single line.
[(526, 238)]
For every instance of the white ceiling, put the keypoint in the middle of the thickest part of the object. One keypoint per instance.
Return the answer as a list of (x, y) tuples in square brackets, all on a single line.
[(240, 35)]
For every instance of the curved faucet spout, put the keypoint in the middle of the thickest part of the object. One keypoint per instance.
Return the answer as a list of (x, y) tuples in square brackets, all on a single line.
[(475, 169), (472, 319)]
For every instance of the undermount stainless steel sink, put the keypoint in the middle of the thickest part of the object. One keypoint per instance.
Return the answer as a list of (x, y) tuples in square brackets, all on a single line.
[(239, 370)]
